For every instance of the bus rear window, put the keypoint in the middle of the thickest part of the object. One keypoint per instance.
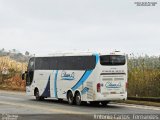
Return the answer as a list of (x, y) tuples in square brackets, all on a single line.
[(112, 60)]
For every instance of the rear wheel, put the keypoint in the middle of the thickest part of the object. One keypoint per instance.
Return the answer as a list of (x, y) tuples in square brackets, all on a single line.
[(78, 99), (70, 98)]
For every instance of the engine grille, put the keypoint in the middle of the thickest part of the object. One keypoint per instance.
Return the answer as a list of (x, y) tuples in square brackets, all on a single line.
[(90, 92)]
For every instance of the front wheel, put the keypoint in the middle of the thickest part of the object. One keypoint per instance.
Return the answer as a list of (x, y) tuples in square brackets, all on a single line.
[(38, 98), (60, 100)]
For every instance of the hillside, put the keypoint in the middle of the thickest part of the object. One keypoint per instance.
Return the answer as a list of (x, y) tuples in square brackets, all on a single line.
[(12, 65), (15, 55)]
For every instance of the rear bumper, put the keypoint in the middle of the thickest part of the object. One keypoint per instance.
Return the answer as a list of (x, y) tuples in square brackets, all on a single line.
[(110, 97)]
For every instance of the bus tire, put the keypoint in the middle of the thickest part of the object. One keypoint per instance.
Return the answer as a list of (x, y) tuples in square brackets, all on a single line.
[(78, 99), (104, 103), (60, 100), (38, 98), (70, 98)]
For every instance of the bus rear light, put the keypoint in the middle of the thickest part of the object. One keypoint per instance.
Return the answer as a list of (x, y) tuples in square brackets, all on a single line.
[(98, 87)]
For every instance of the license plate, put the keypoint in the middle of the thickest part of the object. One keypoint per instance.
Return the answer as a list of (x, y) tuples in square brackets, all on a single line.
[(113, 92)]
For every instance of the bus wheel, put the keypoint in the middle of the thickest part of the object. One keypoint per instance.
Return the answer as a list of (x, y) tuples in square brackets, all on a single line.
[(78, 99), (38, 98), (37, 95), (60, 100), (70, 98), (104, 103)]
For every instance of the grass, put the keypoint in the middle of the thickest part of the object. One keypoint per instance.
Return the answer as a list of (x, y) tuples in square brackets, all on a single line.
[(148, 103)]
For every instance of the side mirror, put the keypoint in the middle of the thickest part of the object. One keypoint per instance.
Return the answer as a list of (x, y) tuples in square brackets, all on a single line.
[(23, 76)]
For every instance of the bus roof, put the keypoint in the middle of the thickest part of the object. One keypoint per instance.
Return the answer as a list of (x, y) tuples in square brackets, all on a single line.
[(82, 54)]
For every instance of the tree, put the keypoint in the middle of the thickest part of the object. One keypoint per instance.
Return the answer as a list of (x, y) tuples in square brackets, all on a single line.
[(2, 49), (27, 53), (14, 50)]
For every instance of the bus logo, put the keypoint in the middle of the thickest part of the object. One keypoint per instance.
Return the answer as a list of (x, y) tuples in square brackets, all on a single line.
[(113, 85), (67, 76)]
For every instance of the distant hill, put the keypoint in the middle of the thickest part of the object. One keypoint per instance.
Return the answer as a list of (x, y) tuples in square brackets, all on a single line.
[(15, 55)]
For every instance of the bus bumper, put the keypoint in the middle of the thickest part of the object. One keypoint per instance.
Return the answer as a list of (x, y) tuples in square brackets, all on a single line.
[(110, 97)]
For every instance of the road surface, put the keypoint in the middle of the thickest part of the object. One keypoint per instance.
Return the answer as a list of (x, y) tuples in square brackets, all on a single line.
[(17, 104)]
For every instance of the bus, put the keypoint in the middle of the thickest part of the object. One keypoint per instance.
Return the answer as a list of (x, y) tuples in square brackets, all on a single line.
[(96, 78)]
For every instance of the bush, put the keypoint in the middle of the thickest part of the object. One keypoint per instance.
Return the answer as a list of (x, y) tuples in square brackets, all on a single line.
[(144, 76)]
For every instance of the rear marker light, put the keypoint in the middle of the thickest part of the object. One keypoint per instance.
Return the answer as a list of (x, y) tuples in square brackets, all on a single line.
[(98, 87)]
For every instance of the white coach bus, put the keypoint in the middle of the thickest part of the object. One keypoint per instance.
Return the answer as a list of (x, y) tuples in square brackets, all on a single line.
[(83, 77)]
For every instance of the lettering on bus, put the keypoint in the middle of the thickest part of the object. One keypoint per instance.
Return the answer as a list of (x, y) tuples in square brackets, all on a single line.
[(67, 76), (113, 85)]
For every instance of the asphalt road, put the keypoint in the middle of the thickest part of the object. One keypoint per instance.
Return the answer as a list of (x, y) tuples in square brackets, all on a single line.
[(21, 107)]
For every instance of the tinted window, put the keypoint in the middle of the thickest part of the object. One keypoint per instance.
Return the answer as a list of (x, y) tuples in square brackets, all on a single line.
[(31, 64), (112, 60), (45, 63), (65, 63)]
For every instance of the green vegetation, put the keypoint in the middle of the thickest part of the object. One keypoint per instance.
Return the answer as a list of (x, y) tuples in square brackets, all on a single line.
[(144, 76)]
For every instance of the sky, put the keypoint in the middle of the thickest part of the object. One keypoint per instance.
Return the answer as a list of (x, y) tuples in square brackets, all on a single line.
[(47, 26)]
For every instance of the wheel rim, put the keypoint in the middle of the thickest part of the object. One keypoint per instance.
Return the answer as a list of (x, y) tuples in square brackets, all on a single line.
[(70, 98), (78, 99)]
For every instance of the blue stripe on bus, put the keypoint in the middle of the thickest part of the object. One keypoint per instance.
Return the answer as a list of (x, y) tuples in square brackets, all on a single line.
[(85, 76), (82, 80), (46, 92), (55, 84), (85, 90), (97, 58)]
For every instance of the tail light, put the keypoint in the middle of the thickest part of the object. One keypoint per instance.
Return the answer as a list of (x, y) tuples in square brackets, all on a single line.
[(98, 87)]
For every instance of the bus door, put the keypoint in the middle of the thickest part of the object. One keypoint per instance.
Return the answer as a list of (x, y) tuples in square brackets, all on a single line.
[(30, 74)]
